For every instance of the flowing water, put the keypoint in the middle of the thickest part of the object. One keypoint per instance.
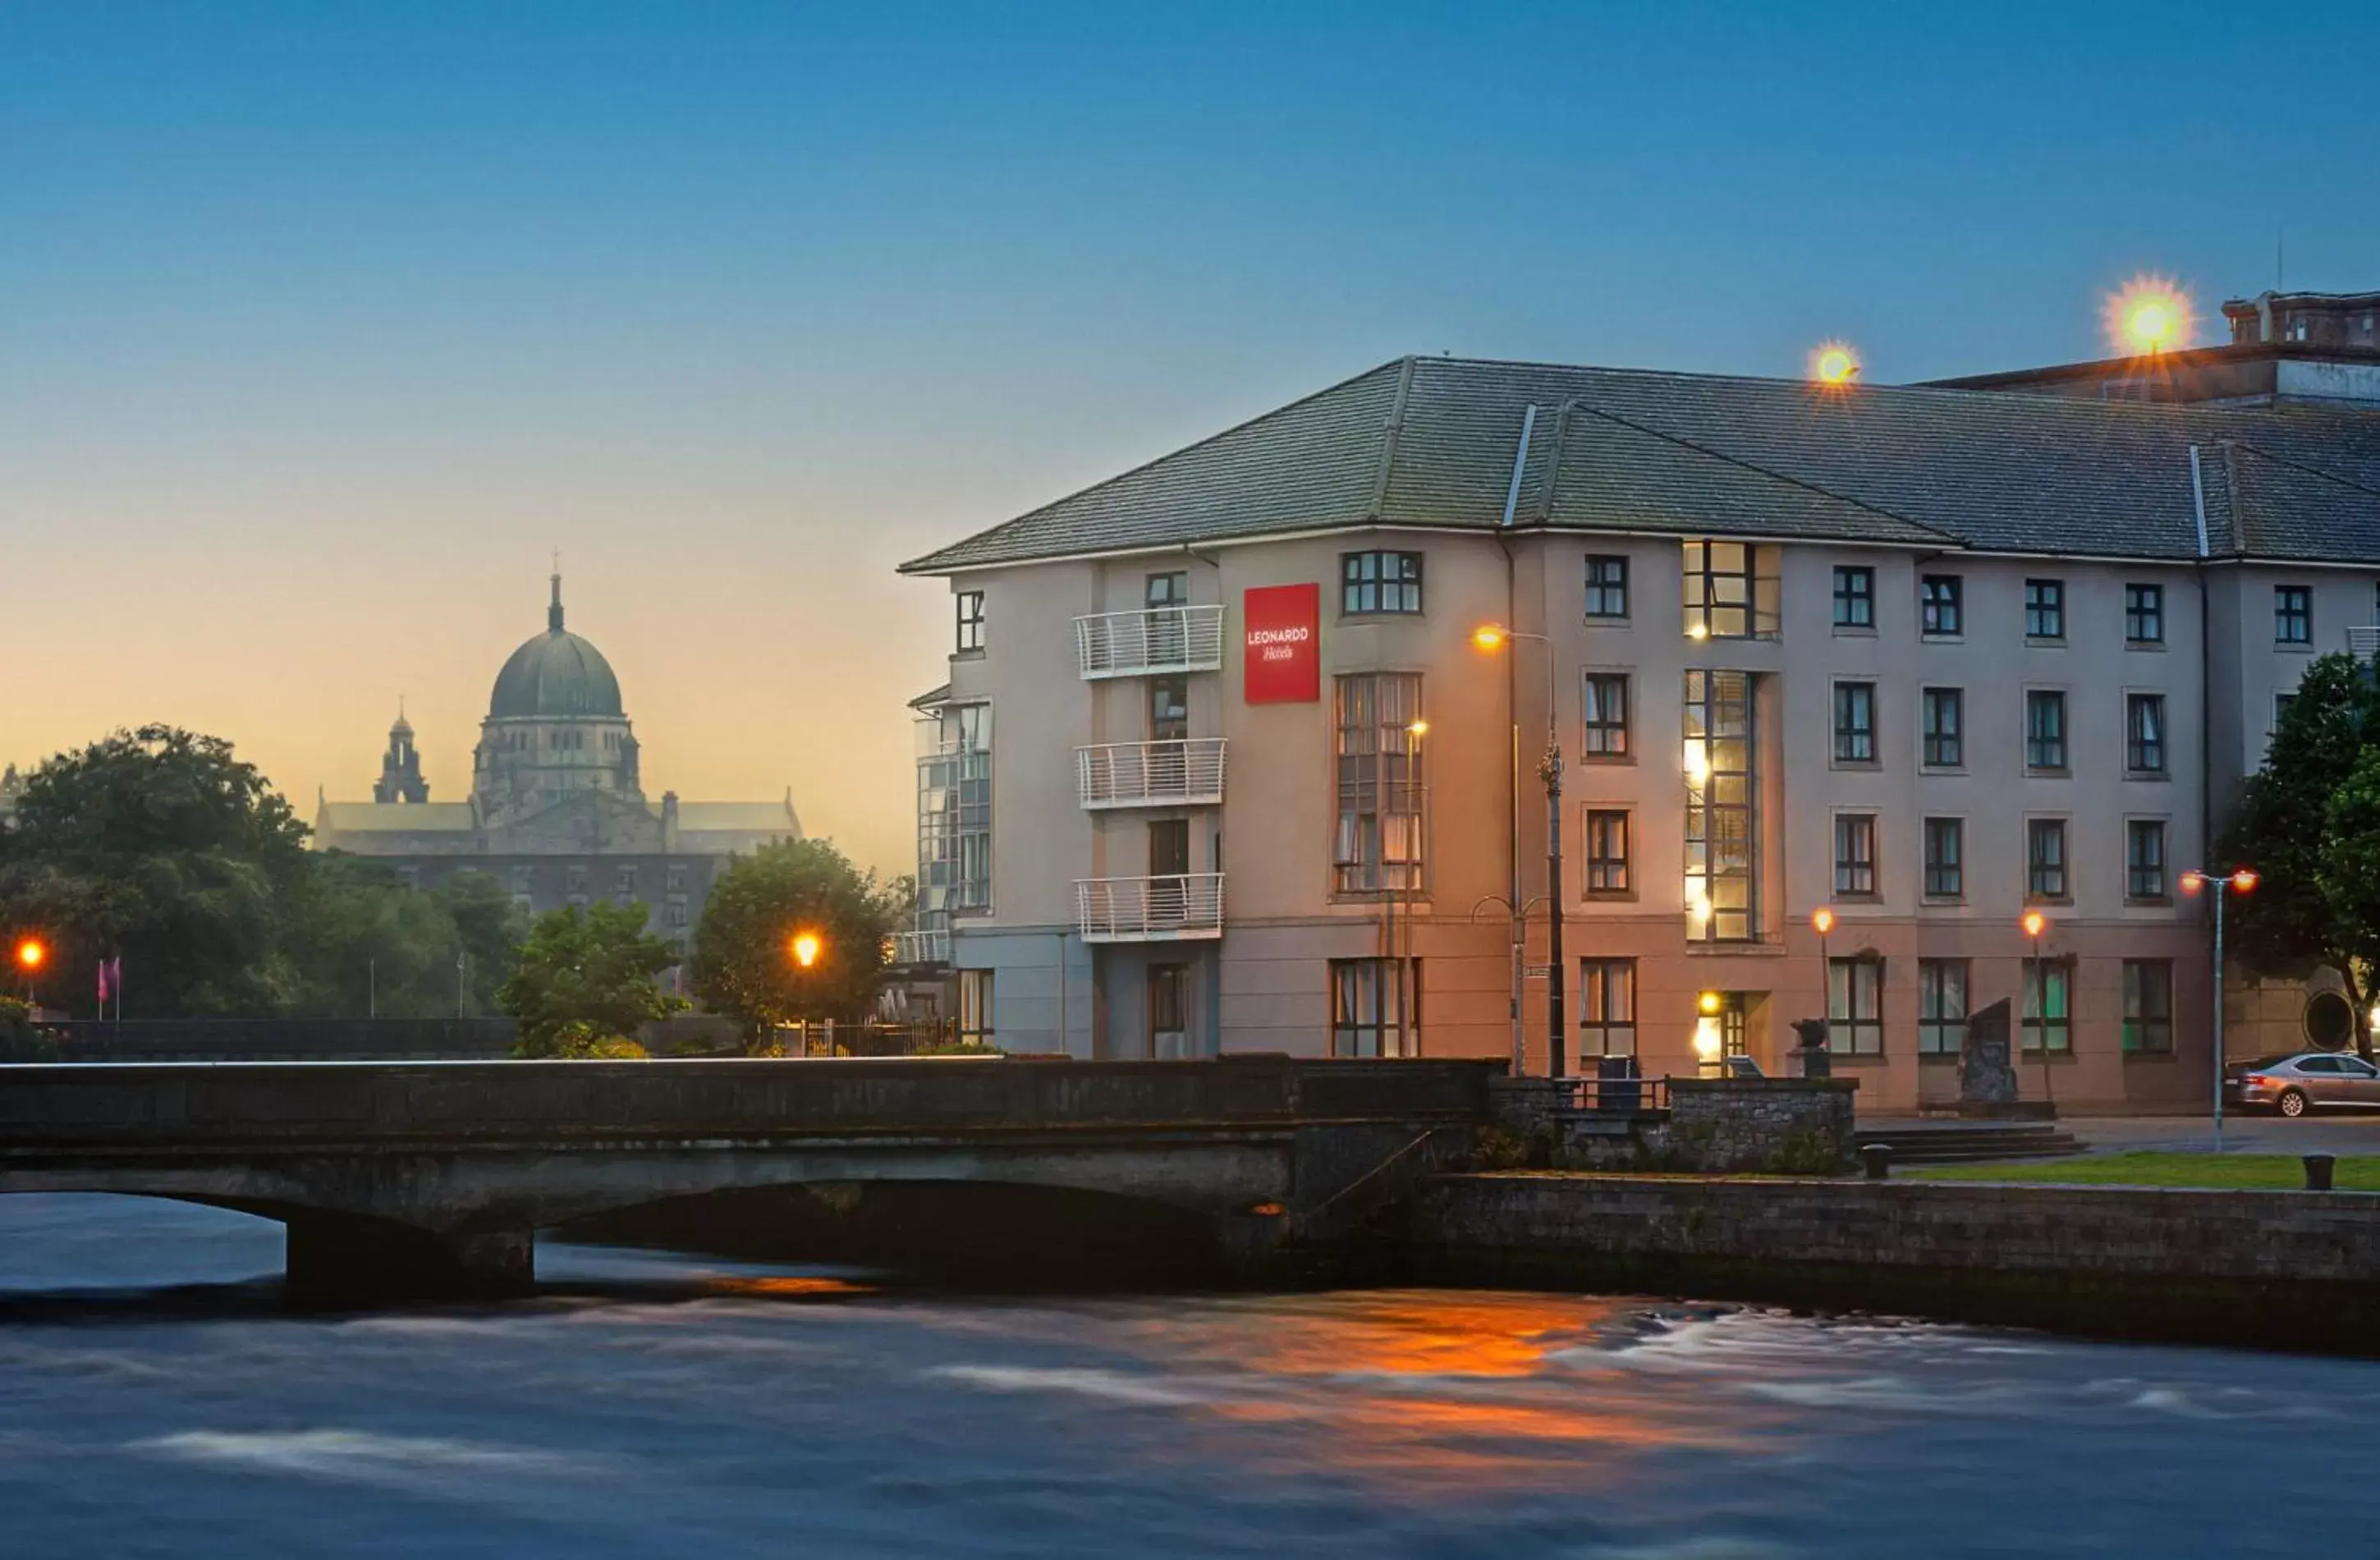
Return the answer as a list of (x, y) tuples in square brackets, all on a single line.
[(153, 1402)]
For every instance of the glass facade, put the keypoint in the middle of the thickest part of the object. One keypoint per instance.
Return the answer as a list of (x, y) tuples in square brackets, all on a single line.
[(1379, 843), (1722, 808)]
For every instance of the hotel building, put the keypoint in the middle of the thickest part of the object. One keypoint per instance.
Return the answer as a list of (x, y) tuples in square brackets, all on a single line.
[(1221, 764)]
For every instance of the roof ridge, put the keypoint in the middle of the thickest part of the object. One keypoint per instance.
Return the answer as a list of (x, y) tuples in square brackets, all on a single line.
[(918, 564), (1758, 469)]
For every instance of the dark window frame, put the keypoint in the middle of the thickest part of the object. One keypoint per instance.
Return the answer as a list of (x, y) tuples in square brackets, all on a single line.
[(1380, 582), (1602, 737), (2145, 881), (2048, 874), (1607, 582), (1854, 596), (1854, 709), (1607, 1007), (2143, 613), (970, 627), (2148, 1007), (2038, 1032), (1939, 1032), (1941, 745), (1945, 873), (2144, 734), (2045, 609), (1855, 1027), (1942, 606), (2045, 740), (1608, 876), (1855, 874), (2293, 615)]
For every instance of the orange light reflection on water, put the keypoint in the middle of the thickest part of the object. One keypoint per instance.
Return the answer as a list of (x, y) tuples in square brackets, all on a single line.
[(788, 1286)]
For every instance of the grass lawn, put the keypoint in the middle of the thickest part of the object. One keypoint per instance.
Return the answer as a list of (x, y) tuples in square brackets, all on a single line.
[(2278, 1171)]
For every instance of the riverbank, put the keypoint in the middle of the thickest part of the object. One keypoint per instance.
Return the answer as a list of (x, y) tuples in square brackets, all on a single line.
[(2261, 1269)]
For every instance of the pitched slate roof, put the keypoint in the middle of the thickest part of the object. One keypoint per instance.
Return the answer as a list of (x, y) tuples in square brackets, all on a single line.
[(418, 817), (1430, 442)]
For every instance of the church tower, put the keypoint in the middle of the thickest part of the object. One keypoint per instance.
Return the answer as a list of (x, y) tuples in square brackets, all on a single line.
[(400, 767)]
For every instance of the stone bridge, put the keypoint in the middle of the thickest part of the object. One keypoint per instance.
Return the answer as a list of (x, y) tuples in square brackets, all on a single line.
[(428, 1179)]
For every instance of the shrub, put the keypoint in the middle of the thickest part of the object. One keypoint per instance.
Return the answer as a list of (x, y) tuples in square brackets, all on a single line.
[(580, 1040)]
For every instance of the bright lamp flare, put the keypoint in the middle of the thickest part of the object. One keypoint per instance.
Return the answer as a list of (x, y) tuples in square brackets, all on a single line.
[(1488, 636), (2033, 922), (1833, 362), (805, 948), (31, 954), (2149, 315)]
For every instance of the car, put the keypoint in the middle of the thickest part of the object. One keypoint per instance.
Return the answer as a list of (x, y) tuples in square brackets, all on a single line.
[(2305, 1081)]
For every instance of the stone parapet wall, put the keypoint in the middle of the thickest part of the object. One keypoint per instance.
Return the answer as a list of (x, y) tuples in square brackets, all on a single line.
[(1778, 1124)]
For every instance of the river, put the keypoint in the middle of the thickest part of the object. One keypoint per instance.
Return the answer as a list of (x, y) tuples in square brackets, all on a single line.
[(153, 1402)]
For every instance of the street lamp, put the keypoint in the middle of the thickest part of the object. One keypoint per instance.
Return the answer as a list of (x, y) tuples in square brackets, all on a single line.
[(804, 949), (1822, 922), (31, 954), (2241, 880), (2034, 924), (1492, 636), (1708, 1042)]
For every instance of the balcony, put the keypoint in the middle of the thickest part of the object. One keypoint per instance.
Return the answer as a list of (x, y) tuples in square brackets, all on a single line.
[(912, 948), (2363, 642), (1177, 906), (1183, 774), (1139, 644)]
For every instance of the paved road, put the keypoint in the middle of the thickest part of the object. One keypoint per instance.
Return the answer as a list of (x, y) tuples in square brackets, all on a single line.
[(2342, 1134)]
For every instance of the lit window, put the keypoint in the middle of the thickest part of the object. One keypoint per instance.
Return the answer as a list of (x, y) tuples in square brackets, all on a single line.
[(1725, 596), (1367, 1016), (1377, 844), (1722, 818)]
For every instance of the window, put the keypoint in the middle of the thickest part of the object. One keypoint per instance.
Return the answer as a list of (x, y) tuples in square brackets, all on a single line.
[(523, 879), (1169, 847), (1170, 589), (2144, 614), (2045, 729), (1941, 1007), (955, 817), (1607, 1007), (677, 916), (1377, 844), (1607, 851), (1379, 583), (1169, 708), (1607, 585), (1855, 1007), (1854, 596), (975, 1007), (673, 879), (2048, 1015), (1940, 605), (2145, 859), (1722, 824), (624, 880), (2148, 1005), (1367, 1016), (2045, 857), (1855, 855), (2293, 615), (2045, 609), (1603, 701), (1168, 1003), (970, 603), (1854, 722), (1726, 598), (1946, 858), (1942, 715), (574, 879), (2144, 732)]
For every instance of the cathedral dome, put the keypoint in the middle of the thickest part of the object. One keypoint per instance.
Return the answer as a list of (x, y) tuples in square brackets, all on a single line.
[(556, 674)]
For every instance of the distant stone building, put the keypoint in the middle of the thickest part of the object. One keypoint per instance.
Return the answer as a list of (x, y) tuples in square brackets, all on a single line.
[(557, 811)]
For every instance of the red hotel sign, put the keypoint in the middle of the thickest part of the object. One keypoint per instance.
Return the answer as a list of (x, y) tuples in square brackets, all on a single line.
[(1284, 644)]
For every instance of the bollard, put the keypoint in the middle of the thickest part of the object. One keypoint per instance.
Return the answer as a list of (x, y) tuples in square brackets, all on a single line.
[(2318, 1168), (1877, 1159)]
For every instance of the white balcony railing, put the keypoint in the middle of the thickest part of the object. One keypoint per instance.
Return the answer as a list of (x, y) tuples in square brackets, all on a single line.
[(921, 947), (1168, 909), (2363, 641), (1183, 774), (1162, 639)]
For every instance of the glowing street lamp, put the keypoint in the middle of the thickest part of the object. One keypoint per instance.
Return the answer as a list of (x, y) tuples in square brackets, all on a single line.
[(1822, 922), (2148, 315), (1491, 638), (2240, 879), (804, 949), (32, 955), (1834, 363), (2034, 924)]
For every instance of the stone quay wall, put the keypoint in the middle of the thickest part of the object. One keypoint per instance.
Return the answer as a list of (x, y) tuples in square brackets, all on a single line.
[(2268, 1269), (1777, 1126)]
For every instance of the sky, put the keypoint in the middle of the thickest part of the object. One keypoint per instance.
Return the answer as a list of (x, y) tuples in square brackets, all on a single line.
[(324, 326)]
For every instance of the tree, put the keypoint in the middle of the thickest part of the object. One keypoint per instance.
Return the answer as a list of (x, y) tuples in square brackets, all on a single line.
[(585, 976), (489, 929), (362, 942), (2348, 870), (2304, 912), (744, 964), (160, 846)]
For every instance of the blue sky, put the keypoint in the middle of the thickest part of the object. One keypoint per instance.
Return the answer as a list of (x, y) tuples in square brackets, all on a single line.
[(321, 324)]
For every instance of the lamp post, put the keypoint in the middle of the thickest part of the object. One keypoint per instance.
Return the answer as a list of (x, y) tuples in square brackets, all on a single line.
[(1495, 636), (2240, 881), (2035, 923), (804, 948), (32, 955), (1822, 922)]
